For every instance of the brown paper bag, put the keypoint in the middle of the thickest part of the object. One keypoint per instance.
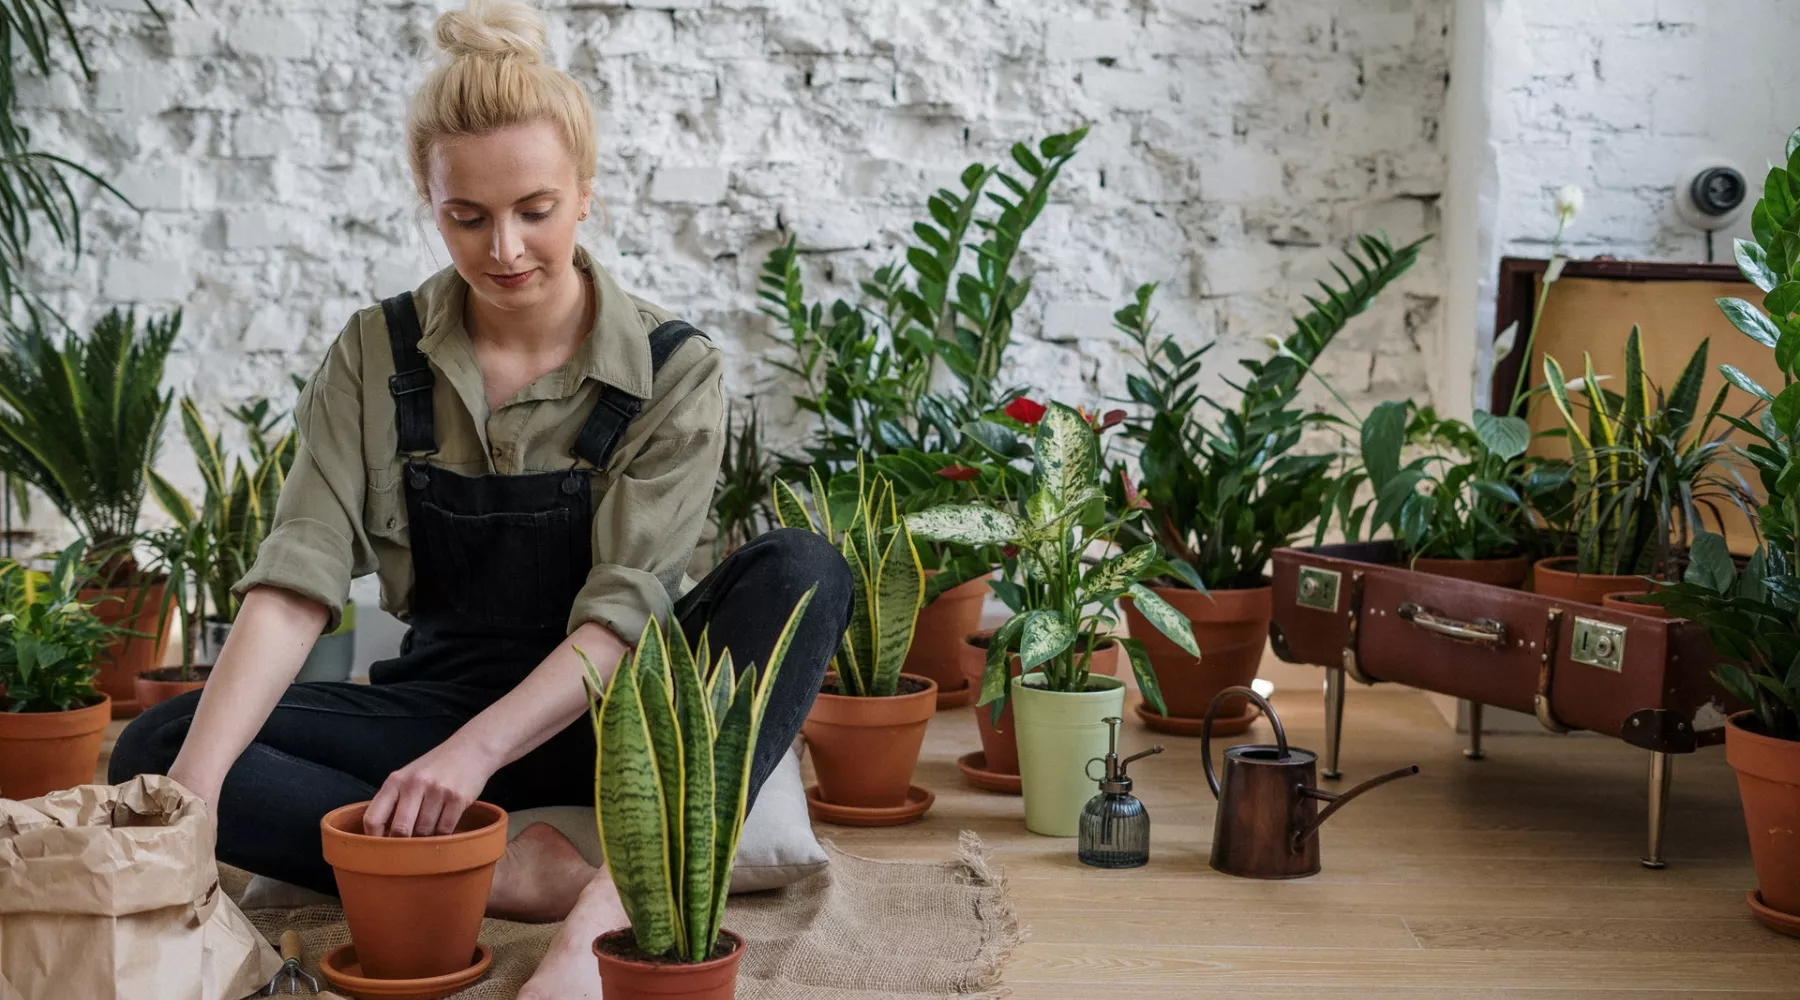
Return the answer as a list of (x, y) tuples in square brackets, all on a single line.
[(112, 892)]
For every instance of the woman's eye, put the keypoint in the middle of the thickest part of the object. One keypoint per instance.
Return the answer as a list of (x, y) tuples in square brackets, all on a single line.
[(538, 216), (467, 223)]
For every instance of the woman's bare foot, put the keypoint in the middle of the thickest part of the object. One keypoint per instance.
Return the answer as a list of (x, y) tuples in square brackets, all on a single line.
[(539, 878), (568, 971)]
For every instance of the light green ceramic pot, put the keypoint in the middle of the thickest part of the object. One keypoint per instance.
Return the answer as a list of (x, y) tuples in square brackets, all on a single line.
[(334, 654), (1058, 734)]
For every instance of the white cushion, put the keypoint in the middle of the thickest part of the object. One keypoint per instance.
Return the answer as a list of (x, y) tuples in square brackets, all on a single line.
[(777, 847)]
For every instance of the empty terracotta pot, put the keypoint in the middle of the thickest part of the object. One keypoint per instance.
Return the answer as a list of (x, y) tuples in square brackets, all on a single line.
[(999, 742), (864, 749), (1556, 577), (938, 632), (1509, 572), (626, 975), (44, 752), (154, 687), (1630, 601), (414, 904), (140, 609), (1231, 628)]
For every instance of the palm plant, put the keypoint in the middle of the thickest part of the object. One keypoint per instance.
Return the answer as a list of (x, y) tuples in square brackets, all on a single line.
[(859, 515), (677, 733)]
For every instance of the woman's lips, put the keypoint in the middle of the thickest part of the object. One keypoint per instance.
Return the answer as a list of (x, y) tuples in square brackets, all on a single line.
[(512, 280)]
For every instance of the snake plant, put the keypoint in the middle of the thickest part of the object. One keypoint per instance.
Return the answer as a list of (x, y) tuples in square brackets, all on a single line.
[(677, 733), (859, 514)]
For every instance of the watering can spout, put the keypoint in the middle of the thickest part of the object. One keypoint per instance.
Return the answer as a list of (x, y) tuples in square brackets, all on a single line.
[(1335, 800)]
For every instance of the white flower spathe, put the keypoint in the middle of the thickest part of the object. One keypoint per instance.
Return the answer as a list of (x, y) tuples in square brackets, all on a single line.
[(1569, 199)]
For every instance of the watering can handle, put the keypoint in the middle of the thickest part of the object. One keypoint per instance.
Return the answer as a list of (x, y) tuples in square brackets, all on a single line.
[(1212, 780)]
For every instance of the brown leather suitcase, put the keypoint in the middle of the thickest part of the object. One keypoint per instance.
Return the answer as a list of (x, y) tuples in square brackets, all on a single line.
[(1642, 679)]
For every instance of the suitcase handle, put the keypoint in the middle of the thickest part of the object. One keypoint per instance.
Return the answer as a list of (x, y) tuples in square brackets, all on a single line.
[(1484, 631)]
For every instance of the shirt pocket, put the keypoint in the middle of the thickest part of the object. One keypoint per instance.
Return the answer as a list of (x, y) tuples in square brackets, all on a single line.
[(384, 506)]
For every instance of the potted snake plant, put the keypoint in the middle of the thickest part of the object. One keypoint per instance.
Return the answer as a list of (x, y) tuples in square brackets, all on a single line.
[(1063, 612), (868, 722), (677, 732)]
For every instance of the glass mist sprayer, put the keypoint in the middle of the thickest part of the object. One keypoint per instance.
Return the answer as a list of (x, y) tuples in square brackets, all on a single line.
[(1115, 826)]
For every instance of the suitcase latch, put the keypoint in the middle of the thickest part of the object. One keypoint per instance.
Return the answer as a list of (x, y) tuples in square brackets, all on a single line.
[(1598, 644), (1318, 588)]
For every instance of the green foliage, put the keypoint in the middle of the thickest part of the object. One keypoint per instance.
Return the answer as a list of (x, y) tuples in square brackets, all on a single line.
[(1644, 467), (676, 731), (859, 515), (1062, 607), (49, 639), (82, 421), (1224, 491), (741, 507)]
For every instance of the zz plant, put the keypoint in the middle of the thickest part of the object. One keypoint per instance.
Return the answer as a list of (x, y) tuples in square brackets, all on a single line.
[(49, 639), (677, 731), (1061, 605), (858, 514)]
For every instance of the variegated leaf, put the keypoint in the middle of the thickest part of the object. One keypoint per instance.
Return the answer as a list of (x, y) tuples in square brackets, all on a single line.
[(856, 655), (900, 592), (693, 714), (1067, 454), (665, 740), (1145, 674), (1167, 620), (789, 511), (1044, 634), (995, 675), (1115, 575), (634, 834), (966, 524)]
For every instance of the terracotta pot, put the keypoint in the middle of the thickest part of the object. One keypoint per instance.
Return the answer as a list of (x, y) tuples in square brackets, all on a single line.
[(1230, 626), (44, 752), (864, 749), (414, 904), (1556, 577), (1768, 771), (1509, 572), (938, 632), (623, 976), (999, 742), (154, 687), (136, 607), (1627, 601)]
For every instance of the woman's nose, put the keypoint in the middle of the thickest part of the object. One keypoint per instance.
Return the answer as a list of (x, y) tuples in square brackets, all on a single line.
[(507, 243)]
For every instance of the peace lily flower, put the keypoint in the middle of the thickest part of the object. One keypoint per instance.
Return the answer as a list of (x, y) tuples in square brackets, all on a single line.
[(1569, 199)]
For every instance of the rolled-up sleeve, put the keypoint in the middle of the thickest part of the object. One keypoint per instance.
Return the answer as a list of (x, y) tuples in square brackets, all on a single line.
[(316, 542), (649, 520)]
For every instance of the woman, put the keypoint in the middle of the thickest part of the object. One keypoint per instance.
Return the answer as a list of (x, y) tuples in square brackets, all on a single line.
[(525, 455)]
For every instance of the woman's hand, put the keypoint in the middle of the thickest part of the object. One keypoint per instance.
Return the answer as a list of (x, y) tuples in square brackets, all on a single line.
[(429, 795)]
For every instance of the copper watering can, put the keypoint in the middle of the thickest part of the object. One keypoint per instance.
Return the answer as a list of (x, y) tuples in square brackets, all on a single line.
[(1268, 818)]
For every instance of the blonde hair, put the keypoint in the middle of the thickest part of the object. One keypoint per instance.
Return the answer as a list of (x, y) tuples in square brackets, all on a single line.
[(496, 77)]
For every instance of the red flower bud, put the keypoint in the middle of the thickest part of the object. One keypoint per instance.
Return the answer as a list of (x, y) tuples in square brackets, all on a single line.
[(960, 473), (1010, 551), (1025, 411), (1112, 417)]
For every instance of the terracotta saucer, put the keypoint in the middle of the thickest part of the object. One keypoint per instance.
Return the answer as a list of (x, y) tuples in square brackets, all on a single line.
[(1223, 725), (956, 697), (917, 801), (344, 972), (974, 768), (1773, 919)]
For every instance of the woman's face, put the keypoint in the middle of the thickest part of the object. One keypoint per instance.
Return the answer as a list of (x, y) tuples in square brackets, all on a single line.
[(506, 204)]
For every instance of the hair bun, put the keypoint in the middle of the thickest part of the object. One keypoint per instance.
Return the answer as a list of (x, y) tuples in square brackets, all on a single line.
[(492, 29)]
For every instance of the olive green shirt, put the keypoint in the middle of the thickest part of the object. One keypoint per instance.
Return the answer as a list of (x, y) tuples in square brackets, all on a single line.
[(342, 512)]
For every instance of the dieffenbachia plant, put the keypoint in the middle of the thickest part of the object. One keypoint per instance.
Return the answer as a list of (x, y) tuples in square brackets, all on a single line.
[(858, 514), (1061, 606), (49, 639), (677, 734)]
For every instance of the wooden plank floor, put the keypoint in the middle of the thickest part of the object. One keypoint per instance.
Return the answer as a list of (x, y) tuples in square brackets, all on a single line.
[(1512, 877)]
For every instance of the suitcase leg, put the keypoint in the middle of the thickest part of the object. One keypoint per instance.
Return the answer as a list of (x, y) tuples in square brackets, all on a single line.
[(1474, 751), (1334, 720), (1661, 770)]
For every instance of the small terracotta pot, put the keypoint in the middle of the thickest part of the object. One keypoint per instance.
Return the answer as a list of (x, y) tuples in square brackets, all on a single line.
[(1231, 628), (1768, 771), (1556, 577), (629, 978), (44, 752), (1508, 572), (154, 687), (139, 608), (864, 749), (1627, 601), (414, 904), (999, 742), (938, 632)]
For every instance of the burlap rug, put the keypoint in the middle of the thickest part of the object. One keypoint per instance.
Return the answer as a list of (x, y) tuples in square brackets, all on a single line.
[(860, 930)]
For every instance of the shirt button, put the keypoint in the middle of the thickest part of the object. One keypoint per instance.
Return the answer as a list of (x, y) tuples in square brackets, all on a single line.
[(498, 451)]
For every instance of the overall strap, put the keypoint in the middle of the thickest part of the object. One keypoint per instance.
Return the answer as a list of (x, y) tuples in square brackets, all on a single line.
[(614, 411), (411, 383)]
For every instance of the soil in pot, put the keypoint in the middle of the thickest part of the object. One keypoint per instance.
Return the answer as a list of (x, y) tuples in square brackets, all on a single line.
[(1508, 572), (1232, 629), (44, 752), (1556, 577), (1059, 732), (136, 607), (154, 687), (1768, 772), (999, 743), (626, 973), (1632, 601), (864, 749), (414, 904), (938, 633)]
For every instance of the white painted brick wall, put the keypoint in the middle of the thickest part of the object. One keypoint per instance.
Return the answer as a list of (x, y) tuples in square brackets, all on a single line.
[(1236, 145)]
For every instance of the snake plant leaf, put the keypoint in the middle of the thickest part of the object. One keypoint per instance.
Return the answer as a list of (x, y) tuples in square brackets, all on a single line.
[(822, 500), (721, 689), (1506, 437), (1167, 620), (789, 511), (1067, 454), (1636, 394), (1684, 399), (1113, 576), (1559, 394), (634, 834), (699, 820), (966, 524), (899, 594), (856, 650), (171, 501), (665, 742), (1044, 633), (732, 758), (1145, 674), (651, 656), (205, 446), (680, 659)]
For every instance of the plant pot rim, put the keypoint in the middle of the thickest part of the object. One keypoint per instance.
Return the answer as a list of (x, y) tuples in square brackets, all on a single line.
[(1108, 685), (1739, 721), (930, 689), (104, 702), (1520, 558), (1544, 566), (1181, 588), (437, 854), (669, 968)]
